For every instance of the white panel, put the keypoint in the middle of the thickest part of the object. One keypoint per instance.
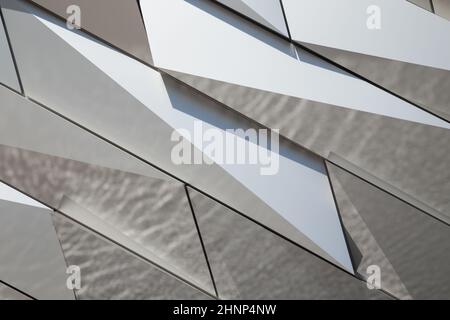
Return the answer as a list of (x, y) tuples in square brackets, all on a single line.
[(9, 194), (267, 12), (257, 64), (408, 33), (8, 75)]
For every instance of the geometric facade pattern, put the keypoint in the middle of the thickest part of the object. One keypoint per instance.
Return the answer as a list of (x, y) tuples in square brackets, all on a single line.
[(347, 197)]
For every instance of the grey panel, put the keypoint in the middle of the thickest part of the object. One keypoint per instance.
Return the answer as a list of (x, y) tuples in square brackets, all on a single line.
[(415, 244), (397, 152), (442, 8), (365, 246), (269, 13), (424, 86), (8, 293), (415, 40), (144, 123), (415, 67), (389, 188), (249, 262), (426, 4), (7, 193), (135, 198), (108, 272), (30, 253), (8, 76), (118, 22), (150, 215), (288, 75), (20, 126)]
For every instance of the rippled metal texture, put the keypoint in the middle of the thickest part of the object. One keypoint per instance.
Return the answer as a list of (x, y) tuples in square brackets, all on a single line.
[(347, 198)]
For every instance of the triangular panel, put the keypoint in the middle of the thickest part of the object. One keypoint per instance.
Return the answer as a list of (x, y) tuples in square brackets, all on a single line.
[(30, 253), (109, 272), (269, 13), (261, 65), (249, 262), (159, 105), (413, 242), (150, 216), (117, 22)]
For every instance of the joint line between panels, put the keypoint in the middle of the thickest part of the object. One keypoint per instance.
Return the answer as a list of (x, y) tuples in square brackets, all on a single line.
[(341, 222), (17, 289), (400, 197), (285, 20), (62, 249), (182, 181), (201, 240), (135, 254), (13, 57), (51, 209)]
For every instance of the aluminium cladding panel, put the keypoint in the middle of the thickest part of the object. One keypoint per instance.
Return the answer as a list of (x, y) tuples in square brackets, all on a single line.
[(30, 253), (117, 22), (442, 8), (426, 4), (112, 273), (249, 262), (408, 58), (261, 64), (415, 244), (376, 140), (268, 13), (131, 96), (63, 161), (8, 75), (418, 39)]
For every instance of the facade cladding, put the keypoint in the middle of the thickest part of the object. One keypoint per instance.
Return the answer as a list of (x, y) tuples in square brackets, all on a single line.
[(231, 149)]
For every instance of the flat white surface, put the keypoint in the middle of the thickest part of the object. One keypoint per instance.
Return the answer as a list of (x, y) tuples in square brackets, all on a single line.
[(408, 33), (9, 194), (267, 12), (237, 57)]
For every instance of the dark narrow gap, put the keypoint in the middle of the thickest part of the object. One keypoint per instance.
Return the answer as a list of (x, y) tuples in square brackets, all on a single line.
[(18, 290), (338, 211), (285, 19), (184, 182), (350, 171), (85, 33), (201, 241), (62, 250), (135, 254), (162, 170), (344, 233), (140, 11), (8, 39), (86, 227)]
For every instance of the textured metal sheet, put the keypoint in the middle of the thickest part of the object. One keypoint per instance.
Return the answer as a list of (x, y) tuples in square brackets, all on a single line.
[(249, 262), (158, 106), (109, 272), (117, 22), (413, 242)]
